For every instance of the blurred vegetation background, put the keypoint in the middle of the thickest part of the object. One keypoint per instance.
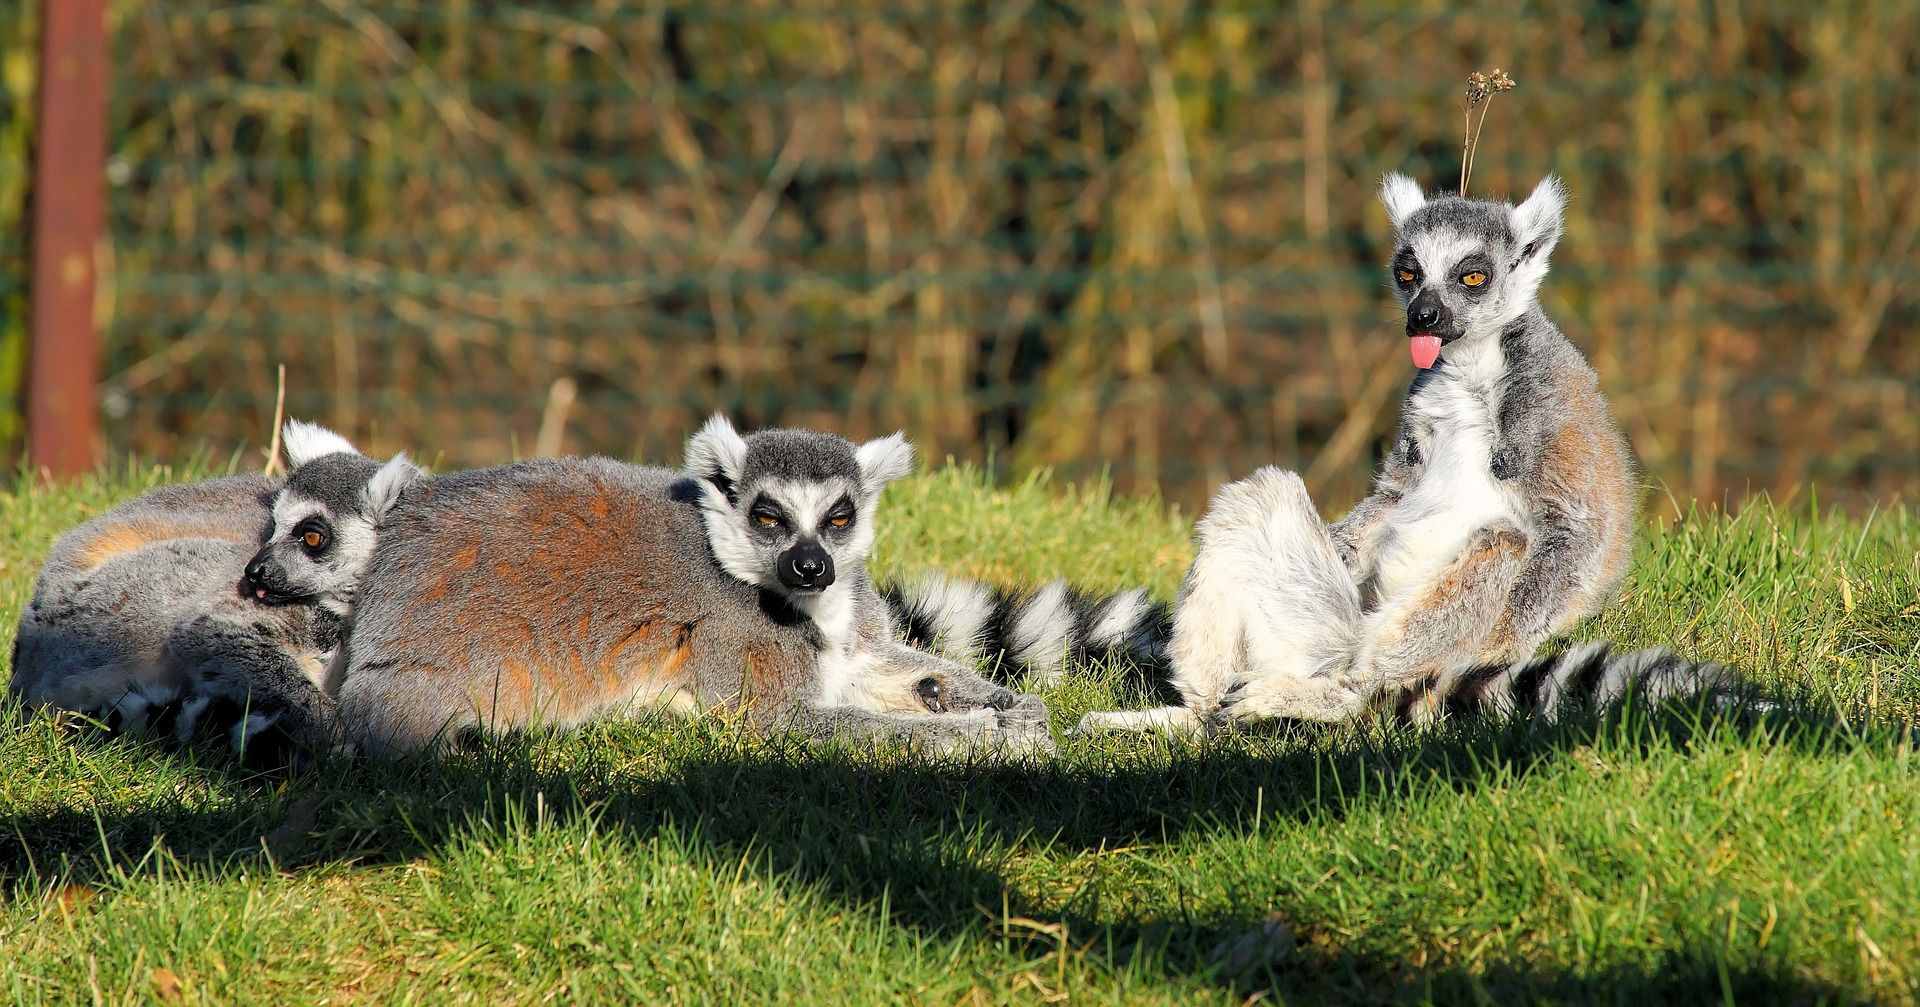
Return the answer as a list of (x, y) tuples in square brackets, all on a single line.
[(1138, 237)]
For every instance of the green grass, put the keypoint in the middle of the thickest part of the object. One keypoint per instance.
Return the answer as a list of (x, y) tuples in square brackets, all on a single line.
[(1642, 857)]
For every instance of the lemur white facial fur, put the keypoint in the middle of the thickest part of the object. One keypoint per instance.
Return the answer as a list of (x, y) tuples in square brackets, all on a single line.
[(325, 520)]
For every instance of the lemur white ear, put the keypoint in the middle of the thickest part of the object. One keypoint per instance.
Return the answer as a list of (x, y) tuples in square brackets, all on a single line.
[(1401, 196), (884, 459), (1537, 222), (384, 489), (306, 441), (716, 453)]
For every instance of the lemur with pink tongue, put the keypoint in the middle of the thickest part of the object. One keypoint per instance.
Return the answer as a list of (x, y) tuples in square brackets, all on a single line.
[(1503, 514)]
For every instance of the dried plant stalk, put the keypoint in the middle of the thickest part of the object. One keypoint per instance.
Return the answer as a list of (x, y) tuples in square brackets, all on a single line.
[(1481, 87)]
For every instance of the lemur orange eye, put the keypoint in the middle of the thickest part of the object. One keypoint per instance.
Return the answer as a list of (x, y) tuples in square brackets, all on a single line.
[(313, 539), (840, 520), (765, 520), (1405, 275), (1474, 278)]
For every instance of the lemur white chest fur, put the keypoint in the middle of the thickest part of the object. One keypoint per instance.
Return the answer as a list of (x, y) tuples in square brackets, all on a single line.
[(1454, 421), (842, 660)]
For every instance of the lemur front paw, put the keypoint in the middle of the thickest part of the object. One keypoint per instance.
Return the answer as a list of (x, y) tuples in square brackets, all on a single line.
[(1024, 709), (1018, 732), (963, 694)]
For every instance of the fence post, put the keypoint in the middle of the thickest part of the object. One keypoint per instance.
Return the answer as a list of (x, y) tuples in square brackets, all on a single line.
[(68, 211)]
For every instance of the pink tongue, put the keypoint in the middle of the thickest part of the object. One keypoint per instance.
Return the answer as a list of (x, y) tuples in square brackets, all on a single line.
[(1425, 349)]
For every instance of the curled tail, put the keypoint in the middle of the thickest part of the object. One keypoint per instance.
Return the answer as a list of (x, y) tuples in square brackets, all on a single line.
[(1589, 675), (1040, 630)]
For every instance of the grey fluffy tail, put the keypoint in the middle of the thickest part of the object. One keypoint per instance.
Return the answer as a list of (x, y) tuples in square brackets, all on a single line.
[(1039, 630), (1591, 675)]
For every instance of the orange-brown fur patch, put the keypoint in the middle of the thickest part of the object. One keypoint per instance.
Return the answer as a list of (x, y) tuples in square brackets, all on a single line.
[(513, 689), (765, 674), (1465, 576), (610, 661), (669, 667), (1469, 570), (538, 594), (134, 536), (1588, 460)]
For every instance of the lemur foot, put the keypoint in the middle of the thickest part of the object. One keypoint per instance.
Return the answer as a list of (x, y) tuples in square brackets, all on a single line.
[(1259, 699), (966, 693), (1019, 732)]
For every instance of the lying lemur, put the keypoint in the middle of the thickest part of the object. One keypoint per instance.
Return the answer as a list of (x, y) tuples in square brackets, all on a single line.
[(555, 591), (212, 606)]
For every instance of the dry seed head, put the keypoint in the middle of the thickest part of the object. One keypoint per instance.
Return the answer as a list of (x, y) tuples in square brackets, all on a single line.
[(1481, 87)]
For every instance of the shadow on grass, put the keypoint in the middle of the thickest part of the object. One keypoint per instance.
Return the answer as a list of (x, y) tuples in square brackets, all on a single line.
[(920, 830)]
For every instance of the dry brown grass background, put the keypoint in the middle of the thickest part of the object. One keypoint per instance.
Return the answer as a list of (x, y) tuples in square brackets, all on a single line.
[(1137, 235)]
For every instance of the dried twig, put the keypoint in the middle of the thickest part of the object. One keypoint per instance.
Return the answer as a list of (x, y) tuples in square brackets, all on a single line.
[(553, 419), (273, 466)]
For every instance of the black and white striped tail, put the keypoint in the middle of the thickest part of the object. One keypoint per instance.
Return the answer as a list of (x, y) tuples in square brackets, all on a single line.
[(1039, 630), (1591, 675)]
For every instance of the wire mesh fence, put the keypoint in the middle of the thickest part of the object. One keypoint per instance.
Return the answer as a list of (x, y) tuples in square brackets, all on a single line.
[(1136, 237)]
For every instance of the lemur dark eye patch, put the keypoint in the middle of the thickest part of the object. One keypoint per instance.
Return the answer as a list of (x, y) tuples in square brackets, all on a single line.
[(313, 535), (841, 515), (765, 514)]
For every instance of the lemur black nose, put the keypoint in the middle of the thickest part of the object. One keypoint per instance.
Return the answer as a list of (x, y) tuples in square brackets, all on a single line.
[(1427, 313), (806, 567)]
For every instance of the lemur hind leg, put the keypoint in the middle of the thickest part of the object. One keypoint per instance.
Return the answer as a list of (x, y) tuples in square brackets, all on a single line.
[(1422, 635), (1268, 618)]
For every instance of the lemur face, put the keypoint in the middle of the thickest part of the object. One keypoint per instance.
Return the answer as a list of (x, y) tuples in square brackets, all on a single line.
[(325, 522), (791, 511), (1464, 268)]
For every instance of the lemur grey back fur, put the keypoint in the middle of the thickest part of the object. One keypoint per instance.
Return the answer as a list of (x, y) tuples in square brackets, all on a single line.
[(1503, 514), (1042, 631), (212, 603), (556, 591)]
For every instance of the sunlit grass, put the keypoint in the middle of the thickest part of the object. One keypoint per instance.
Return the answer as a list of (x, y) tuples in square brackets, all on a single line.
[(1642, 857)]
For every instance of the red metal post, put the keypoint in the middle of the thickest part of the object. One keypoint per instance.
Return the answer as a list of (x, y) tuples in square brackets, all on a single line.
[(69, 172)]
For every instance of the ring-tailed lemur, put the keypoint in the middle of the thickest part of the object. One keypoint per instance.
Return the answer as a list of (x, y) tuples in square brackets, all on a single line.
[(1503, 514), (555, 591), (1042, 631), (212, 599)]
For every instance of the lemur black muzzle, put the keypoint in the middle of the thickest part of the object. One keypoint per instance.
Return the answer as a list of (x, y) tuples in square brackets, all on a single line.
[(806, 567), (265, 582), (1429, 327)]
